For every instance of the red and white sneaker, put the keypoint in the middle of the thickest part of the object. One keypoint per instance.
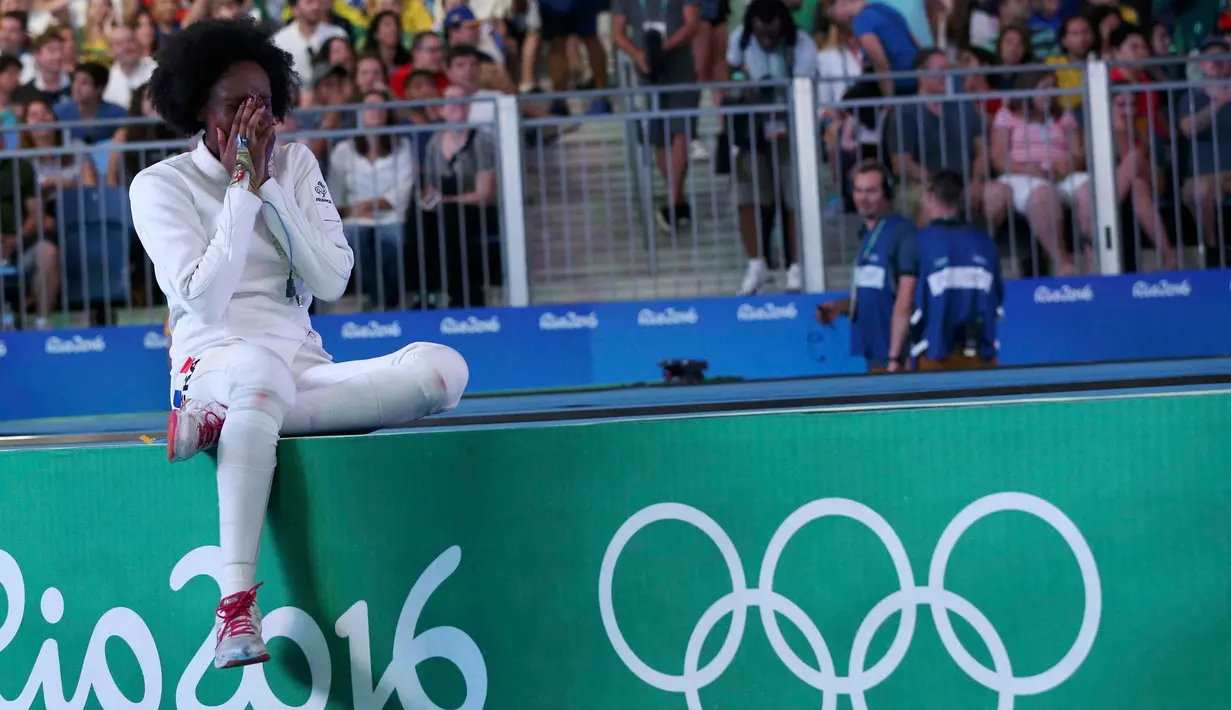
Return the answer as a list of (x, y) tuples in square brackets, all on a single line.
[(238, 631), (194, 428)]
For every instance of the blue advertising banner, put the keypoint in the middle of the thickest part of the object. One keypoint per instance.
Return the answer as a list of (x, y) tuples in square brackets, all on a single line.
[(1047, 321)]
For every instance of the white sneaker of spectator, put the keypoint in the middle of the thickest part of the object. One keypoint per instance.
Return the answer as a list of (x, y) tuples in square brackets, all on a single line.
[(194, 428), (794, 279), (756, 278)]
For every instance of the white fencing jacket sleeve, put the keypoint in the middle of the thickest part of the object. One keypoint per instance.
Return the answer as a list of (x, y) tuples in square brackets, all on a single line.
[(200, 269), (298, 202)]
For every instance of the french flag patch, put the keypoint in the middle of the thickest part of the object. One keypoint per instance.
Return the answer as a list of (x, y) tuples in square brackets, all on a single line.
[(177, 398)]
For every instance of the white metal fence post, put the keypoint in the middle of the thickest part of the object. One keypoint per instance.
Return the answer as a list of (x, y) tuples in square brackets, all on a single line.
[(807, 179), (1103, 170), (512, 206)]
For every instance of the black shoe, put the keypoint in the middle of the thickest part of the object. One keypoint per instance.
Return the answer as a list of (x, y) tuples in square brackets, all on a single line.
[(674, 219), (722, 158)]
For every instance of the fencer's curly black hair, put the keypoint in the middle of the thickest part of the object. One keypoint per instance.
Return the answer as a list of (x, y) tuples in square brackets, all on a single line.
[(194, 59)]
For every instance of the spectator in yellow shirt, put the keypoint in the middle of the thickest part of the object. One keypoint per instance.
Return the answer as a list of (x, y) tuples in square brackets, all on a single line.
[(1078, 40)]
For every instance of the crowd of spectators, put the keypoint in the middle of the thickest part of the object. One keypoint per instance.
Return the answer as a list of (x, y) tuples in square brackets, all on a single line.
[(88, 63), (1020, 139), (429, 195)]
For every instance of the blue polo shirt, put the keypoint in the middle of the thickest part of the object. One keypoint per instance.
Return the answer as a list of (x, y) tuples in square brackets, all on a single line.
[(68, 111)]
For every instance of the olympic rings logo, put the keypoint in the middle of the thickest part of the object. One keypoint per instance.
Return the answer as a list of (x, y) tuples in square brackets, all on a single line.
[(859, 679)]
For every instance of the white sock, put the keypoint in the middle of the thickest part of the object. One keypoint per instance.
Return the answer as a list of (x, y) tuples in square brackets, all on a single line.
[(247, 453)]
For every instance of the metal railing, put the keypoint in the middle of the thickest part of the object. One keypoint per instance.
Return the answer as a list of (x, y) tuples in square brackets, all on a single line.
[(540, 208)]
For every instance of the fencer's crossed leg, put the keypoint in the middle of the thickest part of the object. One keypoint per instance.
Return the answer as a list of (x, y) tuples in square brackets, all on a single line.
[(265, 398), (366, 395)]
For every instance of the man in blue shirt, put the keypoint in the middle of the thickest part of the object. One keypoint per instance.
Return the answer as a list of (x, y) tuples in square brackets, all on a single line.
[(86, 104), (886, 269), (886, 40), (959, 292)]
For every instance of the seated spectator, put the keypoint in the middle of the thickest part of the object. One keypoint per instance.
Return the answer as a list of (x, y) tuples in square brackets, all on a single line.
[(464, 74), (416, 19), (338, 52), (51, 83), (427, 53), (370, 75), (100, 23), (422, 87), (885, 38), (123, 165), (371, 180), (330, 88), (937, 135), (768, 47), (988, 20), (128, 69), (1044, 26), (304, 36), (1160, 45), (1079, 41), (71, 55), (463, 28), (1013, 48), (217, 10), (1127, 14), (55, 172), (86, 104), (1038, 149), (1130, 44), (1205, 120), (10, 77), (656, 37), (166, 17), (980, 82), (146, 32), (1105, 21), (456, 214), (1130, 138), (384, 40), (13, 39), (27, 236)]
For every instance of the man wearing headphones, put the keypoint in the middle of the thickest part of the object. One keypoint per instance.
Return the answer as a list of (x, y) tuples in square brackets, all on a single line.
[(885, 276)]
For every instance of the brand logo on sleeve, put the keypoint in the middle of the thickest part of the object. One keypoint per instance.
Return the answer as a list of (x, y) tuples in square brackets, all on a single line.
[(768, 311), (75, 345), (154, 340), (1162, 289), (648, 318), (322, 192), (372, 330), (1064, 294), (568, 321), (472, 325)]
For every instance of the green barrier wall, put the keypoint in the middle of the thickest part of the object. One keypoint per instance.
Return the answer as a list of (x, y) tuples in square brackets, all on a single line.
[(524, 568)]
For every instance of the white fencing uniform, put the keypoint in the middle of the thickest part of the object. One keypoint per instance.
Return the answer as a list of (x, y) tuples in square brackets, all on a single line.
[(239, 339)]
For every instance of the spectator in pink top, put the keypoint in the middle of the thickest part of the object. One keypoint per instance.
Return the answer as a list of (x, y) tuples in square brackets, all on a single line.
[(1038, 150)]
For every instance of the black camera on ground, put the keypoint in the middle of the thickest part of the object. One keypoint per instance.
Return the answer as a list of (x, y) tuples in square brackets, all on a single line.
[(684, 372)]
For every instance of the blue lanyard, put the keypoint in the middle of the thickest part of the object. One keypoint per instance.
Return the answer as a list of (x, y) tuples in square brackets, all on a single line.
[(873, 237)]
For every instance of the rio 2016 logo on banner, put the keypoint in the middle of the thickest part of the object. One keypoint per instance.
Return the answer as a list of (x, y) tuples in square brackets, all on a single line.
[(906, 599), (410, 648)]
